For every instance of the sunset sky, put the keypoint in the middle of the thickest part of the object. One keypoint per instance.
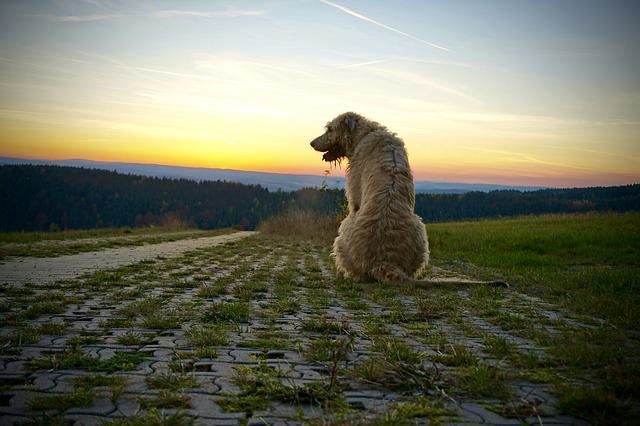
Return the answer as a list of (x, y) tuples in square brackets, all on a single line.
[(532, 92)]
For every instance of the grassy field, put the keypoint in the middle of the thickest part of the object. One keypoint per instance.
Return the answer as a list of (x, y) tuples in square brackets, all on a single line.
[(589, 263)]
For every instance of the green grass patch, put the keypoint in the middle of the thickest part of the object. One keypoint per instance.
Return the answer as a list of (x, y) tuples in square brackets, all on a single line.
[(233, 312), (78, 398), (597, 405), (590, 262), (456, 356), (324, 326), (243, 403), (165, 399), (483, 381), (172, 382), (71, 359), (153, 417)]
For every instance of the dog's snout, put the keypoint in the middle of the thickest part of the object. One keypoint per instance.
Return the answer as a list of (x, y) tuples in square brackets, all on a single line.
[(319, 143)]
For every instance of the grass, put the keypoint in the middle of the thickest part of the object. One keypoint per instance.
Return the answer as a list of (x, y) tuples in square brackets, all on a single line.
[(596, 405), (588, 262), (404, 413), (82, 397), (265, 382), (74, 358), (243, 404), (165, 399), (483, 381), (234, 312), (301, 224), (172, 382), (456, 356), (206, 339), (324, 326), (134, 339), (152, 417)]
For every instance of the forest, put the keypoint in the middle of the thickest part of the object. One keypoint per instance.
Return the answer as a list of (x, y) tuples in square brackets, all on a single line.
[(37, 197)]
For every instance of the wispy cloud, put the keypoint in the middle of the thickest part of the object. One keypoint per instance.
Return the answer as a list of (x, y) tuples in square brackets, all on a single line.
[(229, 13), (381, 25), (362, 64), (87, 18), (173, 13)]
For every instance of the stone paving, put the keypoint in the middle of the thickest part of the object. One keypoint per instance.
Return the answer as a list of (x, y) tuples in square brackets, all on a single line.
[(20, 270), (260, 331)]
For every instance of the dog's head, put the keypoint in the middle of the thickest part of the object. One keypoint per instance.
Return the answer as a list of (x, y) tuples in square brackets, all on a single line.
[(338, 140)]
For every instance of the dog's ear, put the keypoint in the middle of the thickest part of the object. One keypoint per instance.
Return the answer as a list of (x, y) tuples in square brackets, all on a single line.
[(351, 122)]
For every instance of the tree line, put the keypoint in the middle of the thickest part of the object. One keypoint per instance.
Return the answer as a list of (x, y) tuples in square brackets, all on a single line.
[(38, 197)]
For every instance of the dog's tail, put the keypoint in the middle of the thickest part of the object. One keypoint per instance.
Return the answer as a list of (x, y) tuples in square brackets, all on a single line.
[(394, 275)]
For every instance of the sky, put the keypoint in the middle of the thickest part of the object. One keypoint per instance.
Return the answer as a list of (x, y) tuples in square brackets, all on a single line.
[(526, 92)]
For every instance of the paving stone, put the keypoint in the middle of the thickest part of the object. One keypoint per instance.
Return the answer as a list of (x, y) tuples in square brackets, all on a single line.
[(169, 279)]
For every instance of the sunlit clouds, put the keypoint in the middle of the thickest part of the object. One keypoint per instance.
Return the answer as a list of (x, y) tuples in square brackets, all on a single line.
[(477, 97)]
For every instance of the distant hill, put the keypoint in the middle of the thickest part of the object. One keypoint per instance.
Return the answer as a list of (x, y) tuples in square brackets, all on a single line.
[(43, 197), (271, 181)]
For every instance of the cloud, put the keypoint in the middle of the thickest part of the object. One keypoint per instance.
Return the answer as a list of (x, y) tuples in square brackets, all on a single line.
[(380, 24), (86, 18), (229, 13), (362, 64)]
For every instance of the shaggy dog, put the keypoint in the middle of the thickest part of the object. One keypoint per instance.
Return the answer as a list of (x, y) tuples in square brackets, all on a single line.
[(381, 237)]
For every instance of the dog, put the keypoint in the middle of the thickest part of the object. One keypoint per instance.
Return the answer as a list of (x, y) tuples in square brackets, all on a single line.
[(381, 238)]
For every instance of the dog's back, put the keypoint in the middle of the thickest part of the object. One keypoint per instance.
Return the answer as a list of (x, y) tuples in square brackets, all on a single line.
[(381, 237)]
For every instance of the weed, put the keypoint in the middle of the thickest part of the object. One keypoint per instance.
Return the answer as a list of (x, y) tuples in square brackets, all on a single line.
[(324, 326), (172, 382), (285, 305), (70, 359), (395, 375), (517, 411), (243, 403), (42, 308), (131, 338), (433, 306), (210, 291), (76, 341), (482, 381), (96, 380), (165, 399), (53, 329), (402, 413), (162, 321), (237, 312), (597, 405), (456, 356), (78, 398), (498, 346), (116, 322)]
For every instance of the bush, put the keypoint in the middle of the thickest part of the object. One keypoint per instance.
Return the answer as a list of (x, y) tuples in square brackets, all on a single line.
[(303, 224)]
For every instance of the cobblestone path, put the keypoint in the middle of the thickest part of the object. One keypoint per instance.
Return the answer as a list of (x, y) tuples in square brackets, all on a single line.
[(20, 270), (260, 331)]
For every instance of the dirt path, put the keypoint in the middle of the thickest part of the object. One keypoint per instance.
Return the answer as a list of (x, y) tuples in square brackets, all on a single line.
[(21, 270)]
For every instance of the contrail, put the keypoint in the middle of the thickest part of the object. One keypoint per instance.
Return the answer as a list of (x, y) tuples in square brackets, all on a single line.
[(380, 24)]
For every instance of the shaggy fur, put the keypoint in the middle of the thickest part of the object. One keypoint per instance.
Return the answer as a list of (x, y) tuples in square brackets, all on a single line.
[(381, 237)]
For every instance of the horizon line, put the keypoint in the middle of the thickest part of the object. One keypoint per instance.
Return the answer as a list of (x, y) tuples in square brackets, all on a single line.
[(305, 174)]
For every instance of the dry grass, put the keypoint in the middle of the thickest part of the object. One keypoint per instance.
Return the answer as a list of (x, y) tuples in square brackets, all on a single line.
[(302, 224)]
